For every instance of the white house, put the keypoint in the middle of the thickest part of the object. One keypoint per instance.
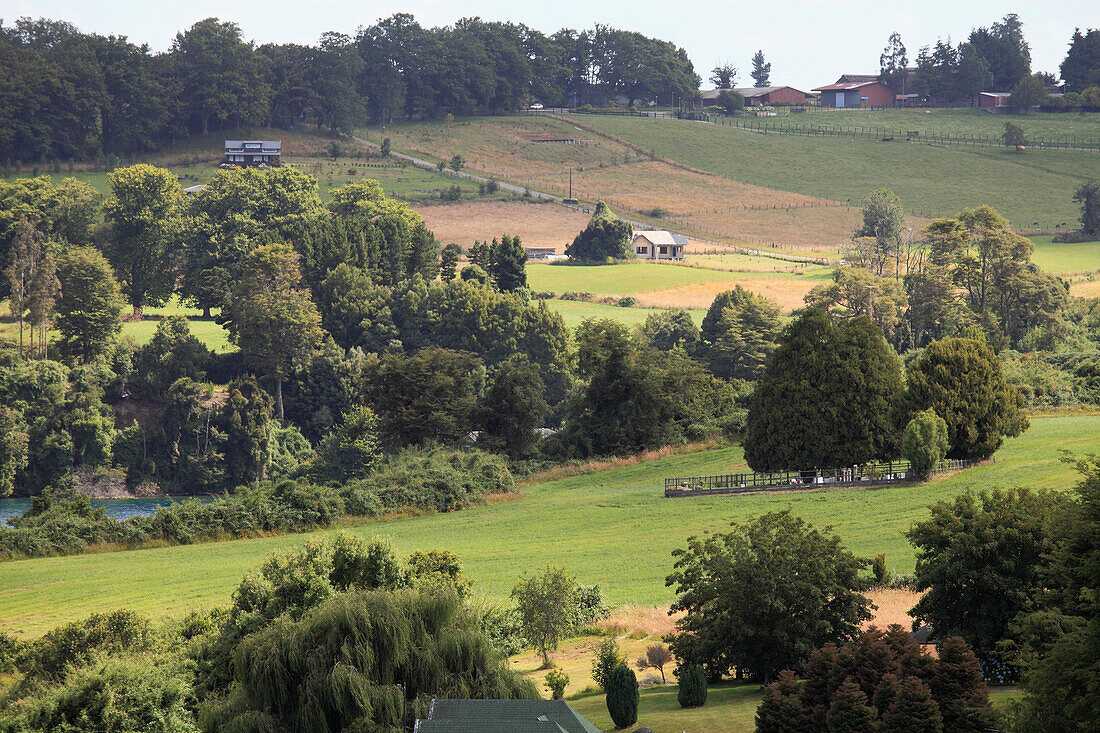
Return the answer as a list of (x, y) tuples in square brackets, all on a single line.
[(659, 245)]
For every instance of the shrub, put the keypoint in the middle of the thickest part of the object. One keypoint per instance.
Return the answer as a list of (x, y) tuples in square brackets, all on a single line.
[(879, 571), (76, 644), (607, 658), (10, 647), (692, 684), (556, 680), (924, 442), (622, 696)]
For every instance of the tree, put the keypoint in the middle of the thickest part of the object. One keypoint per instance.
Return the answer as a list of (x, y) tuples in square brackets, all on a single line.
[(850, 711), (724, 76), (855, 292), (608, 658), (829, 397), (959, 689), (761, 70), (507, 264), (1028, 93), (42, 303), (781, 710), (913, 709), (448, 262), (513, 407), (980, 559), (1013, 136), (173, 353), (427, 397), (335, 70), (546, 603), (963, 382), (740, 341), (607, 237), (691, 686), (884, 221), (1081, 67), (244, 421), (670, 329), (334, 149), (893, 64), (763, 596), (731, 101), (26, 255), (456, 163), (656, 657), (924, 442), (270, 318), (556, 680), (622, 696), (1003, 48), (145, 216), (351, 449), (13, 449), (89, 310), (1088, 195)]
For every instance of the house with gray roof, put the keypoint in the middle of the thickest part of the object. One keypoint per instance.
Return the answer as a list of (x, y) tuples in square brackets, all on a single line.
[(253, 152), (659, 245), (503, 716)]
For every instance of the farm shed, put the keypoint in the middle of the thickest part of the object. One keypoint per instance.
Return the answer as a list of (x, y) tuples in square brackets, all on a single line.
[(505, 716), (540, 253), (855, 93), (253, 152), (659, 245), (760, 95), (994, 101)]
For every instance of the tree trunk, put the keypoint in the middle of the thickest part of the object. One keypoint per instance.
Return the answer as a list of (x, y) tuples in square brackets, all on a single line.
[(279, 396), (206, 312)]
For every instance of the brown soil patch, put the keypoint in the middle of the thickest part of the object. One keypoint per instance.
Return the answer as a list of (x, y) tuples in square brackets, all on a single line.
[(789, 293), (537, 225)]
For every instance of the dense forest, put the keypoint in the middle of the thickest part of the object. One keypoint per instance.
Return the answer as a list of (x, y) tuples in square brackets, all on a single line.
[(72, 95)]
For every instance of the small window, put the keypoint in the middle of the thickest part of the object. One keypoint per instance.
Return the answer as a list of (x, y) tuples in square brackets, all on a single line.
[(252, 145), (664, 250), (641, 250)]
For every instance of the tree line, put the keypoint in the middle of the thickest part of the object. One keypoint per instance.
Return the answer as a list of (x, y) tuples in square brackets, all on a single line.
[(80, 96)]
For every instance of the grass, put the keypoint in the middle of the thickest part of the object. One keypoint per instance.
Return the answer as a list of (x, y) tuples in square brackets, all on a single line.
[(931, 180), (1059, 257), (575, 311), (613, 528)]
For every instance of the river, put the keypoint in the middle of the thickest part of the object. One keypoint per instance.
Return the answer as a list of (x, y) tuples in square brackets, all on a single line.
[(117, 508)]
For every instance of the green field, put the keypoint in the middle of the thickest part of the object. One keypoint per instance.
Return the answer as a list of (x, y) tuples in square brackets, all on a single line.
[(576, 311), (1061, 258), (613, 528), (932, 180), (636, 277), (970, 122)]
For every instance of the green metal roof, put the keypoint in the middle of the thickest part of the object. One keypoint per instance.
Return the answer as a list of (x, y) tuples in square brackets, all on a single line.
[(504, 716)]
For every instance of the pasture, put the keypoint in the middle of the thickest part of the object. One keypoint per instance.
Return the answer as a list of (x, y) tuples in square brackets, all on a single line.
[(1062, 258), (612, 527), (932, 180), (576, 311)]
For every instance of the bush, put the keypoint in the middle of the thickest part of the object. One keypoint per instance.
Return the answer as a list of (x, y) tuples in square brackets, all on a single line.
[(879, 571), (10, 647), (47, 658), (622, 696), (924, 442), (607, 658), (556, 680), (692, 687)]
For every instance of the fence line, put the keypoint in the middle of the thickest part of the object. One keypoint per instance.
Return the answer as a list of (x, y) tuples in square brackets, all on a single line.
[(869, 474)]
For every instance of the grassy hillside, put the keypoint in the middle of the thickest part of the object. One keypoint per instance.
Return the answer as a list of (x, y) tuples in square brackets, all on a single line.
[(613, 528), (1066, 258), (932, 180), (575, 311)]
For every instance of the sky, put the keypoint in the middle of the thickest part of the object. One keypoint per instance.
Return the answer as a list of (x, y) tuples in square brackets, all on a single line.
[(808, 42)]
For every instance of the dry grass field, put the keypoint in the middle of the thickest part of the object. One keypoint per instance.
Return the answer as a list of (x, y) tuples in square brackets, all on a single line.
[(537, 224), (539, 152), (788, 292)]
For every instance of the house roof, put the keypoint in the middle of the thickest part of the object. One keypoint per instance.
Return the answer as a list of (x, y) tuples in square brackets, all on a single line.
[(503, 716), (846, 86), (266, 144), (856, 78), (746, 92), (1002, 95), (659, 236)]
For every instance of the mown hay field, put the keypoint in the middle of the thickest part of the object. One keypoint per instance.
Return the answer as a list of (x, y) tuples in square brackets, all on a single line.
[(613, 527)]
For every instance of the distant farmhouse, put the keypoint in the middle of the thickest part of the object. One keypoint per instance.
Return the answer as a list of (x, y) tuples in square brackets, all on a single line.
[(503, 716), (856, 90), (755, 96), (659, 245), (253, 152)]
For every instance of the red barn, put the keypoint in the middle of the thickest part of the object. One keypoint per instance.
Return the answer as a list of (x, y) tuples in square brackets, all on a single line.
[(856, 94)]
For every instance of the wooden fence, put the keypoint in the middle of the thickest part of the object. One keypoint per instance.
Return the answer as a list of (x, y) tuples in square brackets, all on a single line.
[(869, 474)]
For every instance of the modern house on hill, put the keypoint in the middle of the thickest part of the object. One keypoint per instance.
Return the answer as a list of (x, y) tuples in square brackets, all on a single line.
[(503, 716), (856, 90), (659, 245), (253, 152), (760, 95)]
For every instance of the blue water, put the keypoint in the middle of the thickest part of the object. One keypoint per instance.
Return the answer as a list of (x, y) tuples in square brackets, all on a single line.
[(117, 508)]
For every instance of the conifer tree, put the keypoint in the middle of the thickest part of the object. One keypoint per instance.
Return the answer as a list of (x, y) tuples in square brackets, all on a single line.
[(850, 712), (913, 710), (622, 696), (507, 264)]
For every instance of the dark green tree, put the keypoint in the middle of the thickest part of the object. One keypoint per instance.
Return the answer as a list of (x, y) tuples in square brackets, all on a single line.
[(448, 262), (850, 711), (173, 352), (607, 237), (1028, 93), (547, 605), (351, 449), (980, 558), (13, 449), (761, 70), (924, 442), (738, 343), (1081, 67), (1004, 50), (244, 421), (723, 76), (670, 329), (608, 658), (731, 101), (959, 689), (829, 397), (913, 710), (893, 64), (1088, 195), (513, 407), (622, 696), (507, 263), (763, 596), (691, 689), (89, 310), (962, 381)]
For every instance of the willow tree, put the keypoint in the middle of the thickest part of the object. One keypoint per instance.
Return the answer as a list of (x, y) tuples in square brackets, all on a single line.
[(271, 318)]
